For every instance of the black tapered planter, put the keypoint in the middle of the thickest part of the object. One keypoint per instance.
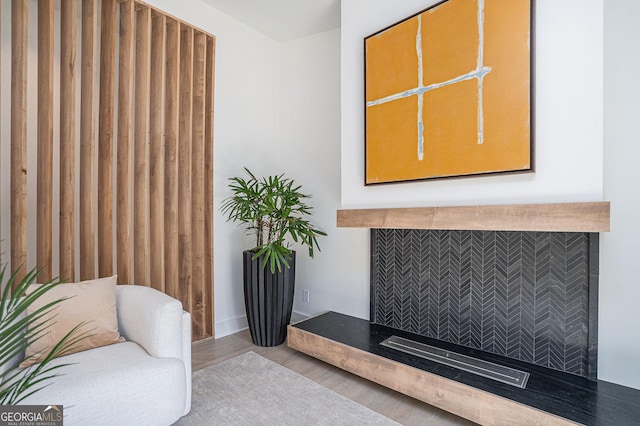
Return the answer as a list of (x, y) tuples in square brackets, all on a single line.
[(268, 299)]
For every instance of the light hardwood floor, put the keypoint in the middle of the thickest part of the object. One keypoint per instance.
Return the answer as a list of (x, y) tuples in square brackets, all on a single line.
[(401, 408)]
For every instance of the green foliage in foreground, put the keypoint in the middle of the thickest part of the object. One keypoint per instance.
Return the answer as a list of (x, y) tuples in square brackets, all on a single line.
[(17, 328)]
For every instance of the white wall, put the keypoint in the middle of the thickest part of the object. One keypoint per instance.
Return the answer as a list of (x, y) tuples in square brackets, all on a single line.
[(278, 110), (247, 84), (310, 148), (568, 113), (246, 125), (619, 338), (305, 97), (317, 83), (247, 93), (578, 107)]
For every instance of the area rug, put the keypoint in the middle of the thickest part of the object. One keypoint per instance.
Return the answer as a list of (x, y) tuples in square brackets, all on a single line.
[(252, 390)]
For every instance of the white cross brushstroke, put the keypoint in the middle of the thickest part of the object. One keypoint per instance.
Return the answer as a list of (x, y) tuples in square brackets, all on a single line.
[(478, 68), (420, 90), (420, 95)]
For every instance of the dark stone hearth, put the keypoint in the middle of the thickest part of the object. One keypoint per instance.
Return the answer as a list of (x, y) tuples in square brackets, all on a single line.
[(523, 295), (566, 395)]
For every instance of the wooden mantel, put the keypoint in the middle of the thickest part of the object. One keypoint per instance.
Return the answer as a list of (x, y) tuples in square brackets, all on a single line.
[(562, 217)]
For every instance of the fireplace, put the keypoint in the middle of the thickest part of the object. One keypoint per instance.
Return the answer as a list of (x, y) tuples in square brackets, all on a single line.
[(530, 296), (512, 286)]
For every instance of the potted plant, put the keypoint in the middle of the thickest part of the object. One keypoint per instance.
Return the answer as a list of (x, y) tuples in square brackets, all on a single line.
[(274, 210), (18, 328)]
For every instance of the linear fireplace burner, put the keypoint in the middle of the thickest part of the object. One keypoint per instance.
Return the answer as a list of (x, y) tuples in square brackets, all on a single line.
[(482, 368)]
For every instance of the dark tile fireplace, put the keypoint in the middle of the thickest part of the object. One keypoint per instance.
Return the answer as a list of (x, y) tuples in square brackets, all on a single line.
[(518, 290), (529, 296)]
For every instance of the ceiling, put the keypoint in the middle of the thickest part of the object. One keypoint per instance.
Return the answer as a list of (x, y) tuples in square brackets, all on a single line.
[(283, 20)]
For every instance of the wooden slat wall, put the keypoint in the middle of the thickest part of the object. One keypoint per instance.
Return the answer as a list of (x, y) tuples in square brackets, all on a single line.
[(208, 178), (171, 250), (108, 29), (141, 149), (19, 46), (154, 160), (125, 122), (87, 139), (197, 183), (185, 265), (68, 35), (45, 138), (156, 151)]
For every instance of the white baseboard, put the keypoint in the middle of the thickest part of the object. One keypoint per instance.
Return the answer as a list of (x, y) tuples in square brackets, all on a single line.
[(234, 325), (298, 316), (231, 326)]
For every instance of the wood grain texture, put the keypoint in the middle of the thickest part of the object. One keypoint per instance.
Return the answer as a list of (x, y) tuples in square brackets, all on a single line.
[(19, 49), (163, 222), (465, 401), (564, 217), (142, 4), (68, 37), (125, 121), (156, 152), (44, 212), (394, 405), (208, 184), (105, 137), (185, 264), (141, 150), (199, 306), (171, 206), (87, 140)]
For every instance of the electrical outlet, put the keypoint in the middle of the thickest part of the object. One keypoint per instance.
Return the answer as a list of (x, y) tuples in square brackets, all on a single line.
[(305, 296)]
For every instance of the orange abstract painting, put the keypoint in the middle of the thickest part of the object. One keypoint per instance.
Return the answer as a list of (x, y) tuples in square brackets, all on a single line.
[(448, 92)]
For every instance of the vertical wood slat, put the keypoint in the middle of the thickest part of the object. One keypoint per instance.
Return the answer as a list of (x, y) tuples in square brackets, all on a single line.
[(125, 111), (208, 183), (141, 154), (171, 251), (44, 211), (105, 137), (68, 24), (19, 46), (87, 140), (178, 158), (185, 264), (197, 188), (156, 152)]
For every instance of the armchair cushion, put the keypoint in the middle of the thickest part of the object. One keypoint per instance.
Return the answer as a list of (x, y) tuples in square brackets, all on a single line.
[(144, 381), (150, 318), (117, 385), (92, 302)]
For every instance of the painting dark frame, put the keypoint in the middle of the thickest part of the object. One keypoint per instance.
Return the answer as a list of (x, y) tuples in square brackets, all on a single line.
[(532, 104)]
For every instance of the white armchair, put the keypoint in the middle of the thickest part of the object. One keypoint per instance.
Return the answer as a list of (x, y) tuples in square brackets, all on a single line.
[(143, 381)]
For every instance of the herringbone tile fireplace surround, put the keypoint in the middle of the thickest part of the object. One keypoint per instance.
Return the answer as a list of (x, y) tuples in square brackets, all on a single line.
[(530, 296), (514, 285)]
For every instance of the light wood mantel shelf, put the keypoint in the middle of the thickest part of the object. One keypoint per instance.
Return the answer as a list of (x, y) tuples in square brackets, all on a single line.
[(561, 217)]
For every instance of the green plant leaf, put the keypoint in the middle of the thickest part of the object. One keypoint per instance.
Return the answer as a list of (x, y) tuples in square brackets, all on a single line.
[(272, 209), (18, 328)]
